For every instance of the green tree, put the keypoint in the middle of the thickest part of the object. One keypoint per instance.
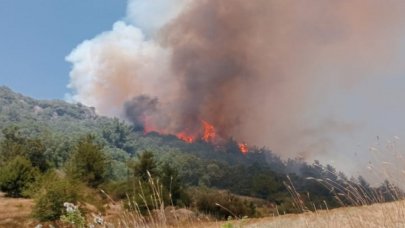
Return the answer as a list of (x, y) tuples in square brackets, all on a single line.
[(117, 134), (14, 144), (35, 152), (145, 163), (16, 176), (88, 162), (172, 183)]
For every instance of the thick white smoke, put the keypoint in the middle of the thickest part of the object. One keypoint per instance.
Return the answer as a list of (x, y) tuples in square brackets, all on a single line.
[(290, 75), (109, 68), (150, 16), (125, 62)]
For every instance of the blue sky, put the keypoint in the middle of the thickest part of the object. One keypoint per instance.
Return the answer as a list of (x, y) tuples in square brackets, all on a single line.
[(37, 35)]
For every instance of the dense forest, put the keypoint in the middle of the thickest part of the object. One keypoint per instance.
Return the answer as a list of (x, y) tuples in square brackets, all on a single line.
[(58, 152)]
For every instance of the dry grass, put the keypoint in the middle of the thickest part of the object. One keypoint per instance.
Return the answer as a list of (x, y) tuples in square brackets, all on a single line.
[(15, 212), (377, 215)]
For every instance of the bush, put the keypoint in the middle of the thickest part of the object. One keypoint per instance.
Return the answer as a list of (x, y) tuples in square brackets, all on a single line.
[(119, 190), (16, 176), (73, 215), (145, 166), (173, 189), (54, 193), (145, 196), (222, 204)]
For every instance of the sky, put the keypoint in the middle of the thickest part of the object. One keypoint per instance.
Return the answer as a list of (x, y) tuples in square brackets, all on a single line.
[(340, 91), (36, 36)]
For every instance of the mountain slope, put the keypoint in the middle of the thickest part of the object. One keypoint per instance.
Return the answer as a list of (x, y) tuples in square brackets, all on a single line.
[(17, 109), (56, 117), (60, 124), (259, 173)]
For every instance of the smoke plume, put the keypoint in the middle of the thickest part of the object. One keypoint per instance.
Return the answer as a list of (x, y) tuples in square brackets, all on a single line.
[(265, 72), (139, 109)]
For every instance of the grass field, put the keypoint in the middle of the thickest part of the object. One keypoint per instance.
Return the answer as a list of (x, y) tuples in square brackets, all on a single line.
[(16, 213), (377, 215)]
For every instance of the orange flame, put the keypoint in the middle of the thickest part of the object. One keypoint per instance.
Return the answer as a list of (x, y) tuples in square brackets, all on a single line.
[(209, 131), (243, 147), (208, 134), (186, 138)]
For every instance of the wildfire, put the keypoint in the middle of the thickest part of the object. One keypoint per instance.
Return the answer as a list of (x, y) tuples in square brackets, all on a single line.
[(148, 125), (243, 147), (209, 131), (186, 138)]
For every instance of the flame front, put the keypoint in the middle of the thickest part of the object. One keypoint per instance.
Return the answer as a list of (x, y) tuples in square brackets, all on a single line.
[(209, 132), (243, 147), (186, 138)]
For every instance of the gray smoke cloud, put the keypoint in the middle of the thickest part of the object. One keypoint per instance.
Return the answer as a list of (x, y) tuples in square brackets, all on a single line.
[(265, 72), (139, 108)]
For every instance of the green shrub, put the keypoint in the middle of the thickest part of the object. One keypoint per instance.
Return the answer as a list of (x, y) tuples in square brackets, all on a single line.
[(145, 196), (73, 215), (49, 201), (145, 166), (223, 204), (118, 190), (16, 176)]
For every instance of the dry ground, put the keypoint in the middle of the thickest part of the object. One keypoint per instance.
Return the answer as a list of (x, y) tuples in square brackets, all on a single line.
[(377, 215), (16, 212)]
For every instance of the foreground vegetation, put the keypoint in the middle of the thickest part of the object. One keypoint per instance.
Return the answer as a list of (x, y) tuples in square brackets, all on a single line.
[(16, 213), (370, 216), (57, 153)]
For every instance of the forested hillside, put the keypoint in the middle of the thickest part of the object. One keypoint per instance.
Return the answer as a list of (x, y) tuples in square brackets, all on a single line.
[(56, 143)]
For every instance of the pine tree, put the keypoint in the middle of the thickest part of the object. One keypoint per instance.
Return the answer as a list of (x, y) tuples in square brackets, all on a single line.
[(144, 164), (88, 162)]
